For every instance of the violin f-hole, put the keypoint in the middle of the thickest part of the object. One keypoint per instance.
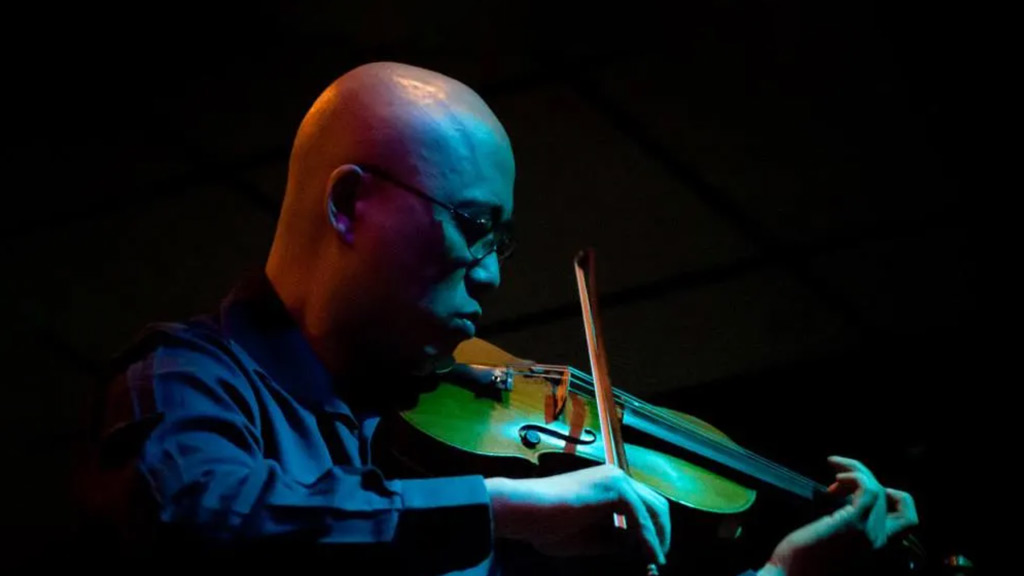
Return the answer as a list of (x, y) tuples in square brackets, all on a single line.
[(530, 435)]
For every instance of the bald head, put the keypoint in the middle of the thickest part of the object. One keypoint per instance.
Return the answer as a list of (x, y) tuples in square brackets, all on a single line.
[(346, 234), (392, 115), (423, 126)]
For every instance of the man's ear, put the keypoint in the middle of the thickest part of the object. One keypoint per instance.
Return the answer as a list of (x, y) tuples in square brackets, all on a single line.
[(342, 187)]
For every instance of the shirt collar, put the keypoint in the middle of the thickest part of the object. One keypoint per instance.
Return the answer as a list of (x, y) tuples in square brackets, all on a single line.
[(255, 318)]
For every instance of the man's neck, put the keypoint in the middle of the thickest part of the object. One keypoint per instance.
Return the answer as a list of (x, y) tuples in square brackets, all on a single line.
[(369, 373), (365, 367)]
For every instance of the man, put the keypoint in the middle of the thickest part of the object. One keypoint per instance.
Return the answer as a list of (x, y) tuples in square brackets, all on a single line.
[(248, 431)]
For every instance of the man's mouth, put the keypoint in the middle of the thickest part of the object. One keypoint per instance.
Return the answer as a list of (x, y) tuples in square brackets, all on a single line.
[(465, 325)]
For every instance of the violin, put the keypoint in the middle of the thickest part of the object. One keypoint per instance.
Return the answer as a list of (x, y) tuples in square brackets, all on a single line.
[(496, 414)]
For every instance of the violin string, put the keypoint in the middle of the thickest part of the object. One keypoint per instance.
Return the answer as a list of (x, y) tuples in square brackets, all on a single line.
[(678, 424), (672, 422), (666, 419), (584, 381)]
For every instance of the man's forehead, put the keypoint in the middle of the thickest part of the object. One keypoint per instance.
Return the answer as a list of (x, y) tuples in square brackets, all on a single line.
[(450, 152), (483, 202), (468, 170)]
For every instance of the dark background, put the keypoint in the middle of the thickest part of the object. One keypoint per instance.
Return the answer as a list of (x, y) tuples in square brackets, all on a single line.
[(782, 196)]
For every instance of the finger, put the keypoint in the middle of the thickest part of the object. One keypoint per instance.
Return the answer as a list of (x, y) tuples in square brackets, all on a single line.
[(638, 517), (849, 465), (865, 480), (858, 484), (850, 483), (902, 502), (904, 513), (658, 508), (865, 492)]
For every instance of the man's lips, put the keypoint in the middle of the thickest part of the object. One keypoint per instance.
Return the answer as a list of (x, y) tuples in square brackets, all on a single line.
[(465, 325)]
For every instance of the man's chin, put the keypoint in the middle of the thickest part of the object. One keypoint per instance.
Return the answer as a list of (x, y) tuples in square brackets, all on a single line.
[(435, 360)]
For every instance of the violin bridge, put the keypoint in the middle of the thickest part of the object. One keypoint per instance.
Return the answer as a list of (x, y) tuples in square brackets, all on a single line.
[(560, 393)]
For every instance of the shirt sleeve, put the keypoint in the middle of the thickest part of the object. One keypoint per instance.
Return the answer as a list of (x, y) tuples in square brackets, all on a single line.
[(204, 463)]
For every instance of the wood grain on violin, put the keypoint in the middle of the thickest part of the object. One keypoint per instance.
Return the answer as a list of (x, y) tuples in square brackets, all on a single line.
[(547, 411)]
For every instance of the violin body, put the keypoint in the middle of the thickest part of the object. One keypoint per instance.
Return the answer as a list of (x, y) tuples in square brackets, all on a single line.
[(493, 414), (538, 421)]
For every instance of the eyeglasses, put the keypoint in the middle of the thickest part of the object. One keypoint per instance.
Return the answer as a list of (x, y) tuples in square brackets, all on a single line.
[(482, 235)]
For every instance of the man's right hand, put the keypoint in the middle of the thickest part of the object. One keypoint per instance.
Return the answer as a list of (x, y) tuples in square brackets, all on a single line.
[(571, 513)]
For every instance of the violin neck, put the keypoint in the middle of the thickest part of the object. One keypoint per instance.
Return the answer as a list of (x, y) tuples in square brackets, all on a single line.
[(724, 456)]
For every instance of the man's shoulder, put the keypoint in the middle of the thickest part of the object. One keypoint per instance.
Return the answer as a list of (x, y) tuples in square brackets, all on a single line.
[(162, 364), (199, 334)]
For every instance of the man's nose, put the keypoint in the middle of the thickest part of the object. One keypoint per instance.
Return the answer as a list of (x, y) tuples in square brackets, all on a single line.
[(484, 276)]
